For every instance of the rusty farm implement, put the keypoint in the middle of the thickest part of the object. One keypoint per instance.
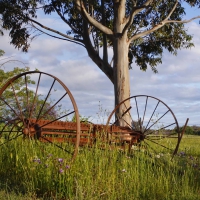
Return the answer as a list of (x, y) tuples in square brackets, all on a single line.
[(38, 105)]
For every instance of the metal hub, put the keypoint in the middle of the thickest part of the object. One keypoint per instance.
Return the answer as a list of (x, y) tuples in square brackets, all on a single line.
[(29, 131), (142, 137), (26, 131)]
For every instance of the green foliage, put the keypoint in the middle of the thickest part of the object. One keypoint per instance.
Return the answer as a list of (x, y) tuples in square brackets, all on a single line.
[(191, 130), (42, 171), (1, 52), (8, 94), (144, 51), (6, 75), (188, 130)]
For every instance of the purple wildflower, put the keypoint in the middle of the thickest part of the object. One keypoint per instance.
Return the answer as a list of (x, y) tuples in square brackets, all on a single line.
[(195, 165), (61, 170), (67, 167), (60, 160), (191, 158), (37, 160), (182, 153)]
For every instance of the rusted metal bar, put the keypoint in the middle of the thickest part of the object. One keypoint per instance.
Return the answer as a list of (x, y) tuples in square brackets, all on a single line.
[(60, 131), (179, 139)]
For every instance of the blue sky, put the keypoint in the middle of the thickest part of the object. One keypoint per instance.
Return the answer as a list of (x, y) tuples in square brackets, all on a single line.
[(177, 83)]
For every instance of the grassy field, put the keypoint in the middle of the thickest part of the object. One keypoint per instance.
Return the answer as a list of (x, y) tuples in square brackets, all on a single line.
[(32, 170)]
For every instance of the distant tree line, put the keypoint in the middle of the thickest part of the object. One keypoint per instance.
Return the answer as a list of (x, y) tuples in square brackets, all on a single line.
[(192, 130)]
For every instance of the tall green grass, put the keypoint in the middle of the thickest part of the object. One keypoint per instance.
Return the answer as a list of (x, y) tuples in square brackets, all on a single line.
[(29, 169)]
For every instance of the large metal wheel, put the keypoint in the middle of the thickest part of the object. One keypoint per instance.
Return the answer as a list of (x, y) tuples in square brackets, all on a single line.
[(149, 124), (33, 101)]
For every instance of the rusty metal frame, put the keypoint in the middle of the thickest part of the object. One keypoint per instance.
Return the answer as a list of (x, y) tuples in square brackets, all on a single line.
[(78, 132)]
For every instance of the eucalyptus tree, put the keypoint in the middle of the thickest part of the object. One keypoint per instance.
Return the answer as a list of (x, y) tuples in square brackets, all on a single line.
[(137, 31)]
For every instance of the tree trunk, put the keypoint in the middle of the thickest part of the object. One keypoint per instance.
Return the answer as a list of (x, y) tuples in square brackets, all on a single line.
[(120, 67), (121, 78)]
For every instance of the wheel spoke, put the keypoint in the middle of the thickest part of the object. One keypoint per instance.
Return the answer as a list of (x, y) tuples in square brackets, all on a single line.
[(10, 107), (118, 118), (58, 119), (150, 147), (145, 108), (18, 105), (127, 110), (11, 139), (51, 107), (180, 137), (152, 115), (115, 122), (35, 96), (45, 99), (13, 122), (9, 131), (27, 98), (156, 121), (56, 145), (159, 144), (139, 121), (123, 120), (160, 129), (27, 95), (127, 123)]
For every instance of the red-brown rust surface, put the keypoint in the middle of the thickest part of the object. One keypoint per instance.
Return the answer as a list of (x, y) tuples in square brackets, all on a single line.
[(60, 131)]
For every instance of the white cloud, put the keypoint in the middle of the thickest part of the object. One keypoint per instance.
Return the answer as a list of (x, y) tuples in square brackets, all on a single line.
[(178, 80)]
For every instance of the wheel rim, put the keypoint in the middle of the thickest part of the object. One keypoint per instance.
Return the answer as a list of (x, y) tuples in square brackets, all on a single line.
[(152, 121), (39, 96)]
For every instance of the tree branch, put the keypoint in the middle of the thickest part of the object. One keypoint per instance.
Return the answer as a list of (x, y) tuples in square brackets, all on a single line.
[(58, 37), (81, 8), (175, 5), (164, 22), (134, 12), (55, 31), (103, 65), (184, 21), (63, 18), (105, 47)]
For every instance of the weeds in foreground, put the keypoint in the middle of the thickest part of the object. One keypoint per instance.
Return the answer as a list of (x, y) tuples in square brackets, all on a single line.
[(42, 171)]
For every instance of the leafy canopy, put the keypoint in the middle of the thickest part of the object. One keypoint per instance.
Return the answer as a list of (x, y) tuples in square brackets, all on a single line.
[(151, 26)]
